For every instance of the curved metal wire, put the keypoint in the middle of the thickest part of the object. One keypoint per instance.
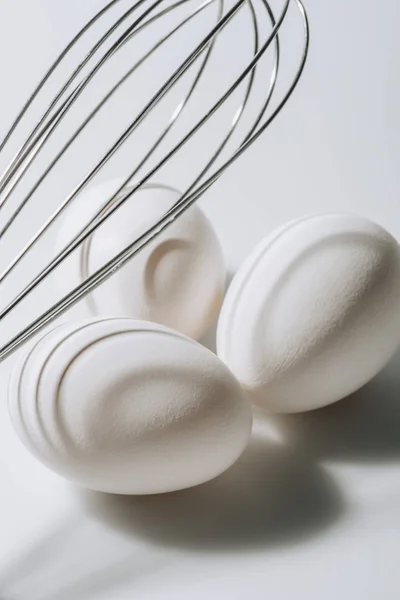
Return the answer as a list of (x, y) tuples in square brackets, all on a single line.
[(29, 151), (202, 182), (103, 102), (54, 66), (94, 112)]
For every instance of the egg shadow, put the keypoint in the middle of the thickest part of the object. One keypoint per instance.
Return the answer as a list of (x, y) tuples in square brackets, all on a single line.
[(271, 496), (209, 339), (364, 427)]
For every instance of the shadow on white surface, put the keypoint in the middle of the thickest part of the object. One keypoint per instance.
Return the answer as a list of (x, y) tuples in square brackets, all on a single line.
[(38, 555), (99, 581), (74, 561), (209, 339), (271, 496), (365, 427)]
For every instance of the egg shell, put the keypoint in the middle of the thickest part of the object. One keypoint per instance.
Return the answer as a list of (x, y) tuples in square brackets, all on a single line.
[(314, 313), (178, 280), (128, 407)]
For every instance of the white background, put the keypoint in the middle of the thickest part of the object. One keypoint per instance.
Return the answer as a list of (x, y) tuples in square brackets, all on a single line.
[(316, 517)]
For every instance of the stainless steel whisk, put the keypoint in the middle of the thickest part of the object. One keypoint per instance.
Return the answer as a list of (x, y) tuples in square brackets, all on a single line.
[(145, 17)]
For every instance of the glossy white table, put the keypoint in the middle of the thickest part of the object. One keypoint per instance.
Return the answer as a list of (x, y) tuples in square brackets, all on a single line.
[(313, 509)]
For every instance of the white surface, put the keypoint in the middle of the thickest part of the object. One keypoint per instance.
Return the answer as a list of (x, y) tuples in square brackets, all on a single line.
[(128, 407), (313, 313), (316, 519)]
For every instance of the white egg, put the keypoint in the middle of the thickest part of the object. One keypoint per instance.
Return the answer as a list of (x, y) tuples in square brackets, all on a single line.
[(178, 280), (128, 407), (314, 313)]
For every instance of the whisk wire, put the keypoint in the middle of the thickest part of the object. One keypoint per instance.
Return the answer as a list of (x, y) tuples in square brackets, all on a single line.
[(53, 67), (29, 153), (103, 102), (106, 157), (195, 190)]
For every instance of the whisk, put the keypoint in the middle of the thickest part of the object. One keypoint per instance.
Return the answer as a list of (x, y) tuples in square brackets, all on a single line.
[(179, 114)]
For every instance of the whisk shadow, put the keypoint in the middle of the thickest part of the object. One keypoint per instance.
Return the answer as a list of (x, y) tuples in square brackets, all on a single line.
[(61, 546), (36, 556), (97, 581), (363, 427), (271, 496)]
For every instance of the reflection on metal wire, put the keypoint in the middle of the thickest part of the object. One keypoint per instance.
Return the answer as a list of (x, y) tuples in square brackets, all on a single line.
[(70, 93)]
